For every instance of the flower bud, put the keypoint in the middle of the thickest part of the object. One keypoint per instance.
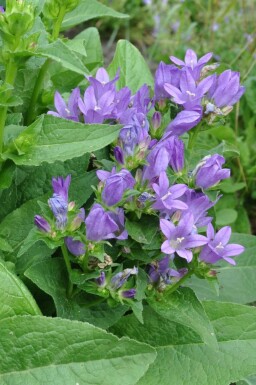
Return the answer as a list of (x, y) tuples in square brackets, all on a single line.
[(18, 19), (156, 120), (209, 171), (42, 224), (76, 248)]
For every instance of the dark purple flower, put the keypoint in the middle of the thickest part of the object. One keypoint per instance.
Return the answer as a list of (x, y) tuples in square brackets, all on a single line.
[(115, 186), (158, 160), (180, 238), (192, 63), (101, 224), (42, 224), (69, 111), (218, 248), (226, 90), (209, 171), (61, 186), (121, 278), (166, 197), (165, 73), (101, 280), (119, 154), (2, 10), (130, 293), (76, 248)]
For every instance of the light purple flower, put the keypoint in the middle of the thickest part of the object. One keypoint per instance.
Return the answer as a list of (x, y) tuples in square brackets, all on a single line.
[(184, 121), (189, 93), (226, 90), (75, 247), (2, 10), (180, 238), (209, 172), (175, 147), (158, 160), (59, 207), (67, 111), (192, 63), (218, 247), (42, 224), (156, 120), (166, 197)]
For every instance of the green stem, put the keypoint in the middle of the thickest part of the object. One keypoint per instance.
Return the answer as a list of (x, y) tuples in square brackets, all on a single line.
[(31, 114), (174, 287), (68, 266), (10, 75)]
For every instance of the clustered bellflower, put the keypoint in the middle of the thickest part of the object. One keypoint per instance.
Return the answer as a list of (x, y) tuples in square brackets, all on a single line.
[(149, 158)]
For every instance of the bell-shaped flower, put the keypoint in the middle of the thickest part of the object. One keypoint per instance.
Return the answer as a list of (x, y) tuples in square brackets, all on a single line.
[(67, 111), (119, 279), (226, 89), (209, 171), (75, 247), (184, 121), (180, 238), (165, 73), (42, 224), (61, 186), (218, 248), (160, 271)]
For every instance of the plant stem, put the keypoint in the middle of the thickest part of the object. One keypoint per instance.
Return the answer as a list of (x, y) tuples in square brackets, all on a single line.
[(39, 82), (174, 287), (68, 265), (10, 75)]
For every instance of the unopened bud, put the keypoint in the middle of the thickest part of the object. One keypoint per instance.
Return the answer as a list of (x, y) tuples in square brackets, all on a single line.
[(156, 120)]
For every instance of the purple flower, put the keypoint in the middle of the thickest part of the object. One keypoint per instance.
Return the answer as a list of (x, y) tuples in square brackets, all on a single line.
[(101, 224), (156, 120), (42, 224), (115, 186), (218, 248), (76, 248), (184, 121), (61, 186), (121, 278), (198, 204), (165, 73), (189, 93), (69, 111), (160, 271), (226, 89), (130, 293), (2, 9), (158, 160), (192, 63), (166, 197), (209, 172), (59, 207), (180, 238), (101, 280), (175, 146)]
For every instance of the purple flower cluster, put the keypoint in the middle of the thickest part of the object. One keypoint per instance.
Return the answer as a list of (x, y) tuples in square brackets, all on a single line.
[(150, 176)]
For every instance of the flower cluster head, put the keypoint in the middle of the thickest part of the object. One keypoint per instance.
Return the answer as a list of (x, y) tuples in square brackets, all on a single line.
[(151, 181)]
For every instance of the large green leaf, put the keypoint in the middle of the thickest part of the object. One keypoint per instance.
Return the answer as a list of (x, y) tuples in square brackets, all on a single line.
[(247, 381), (144, 230), (61, 53), (14, 296), (87, 10), (134, 71), (183, 359), (50, 139), (237, 283), (51, 277), (92, 44), (42, 351), (183, 307)]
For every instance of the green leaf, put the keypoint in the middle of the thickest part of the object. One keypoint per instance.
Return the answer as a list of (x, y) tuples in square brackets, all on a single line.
[(229, 186), (183, 359), (40, 350), (134, 71), (51, 277), (144, 230), (6, 174), (87, 10), (237, 283), (92, 44), (4, 245), (225, 217), (247, 381), (50, 139), (14, 296), (61, 53), (182, 306)]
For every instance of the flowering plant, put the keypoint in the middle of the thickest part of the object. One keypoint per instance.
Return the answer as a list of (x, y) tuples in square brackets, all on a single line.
[(122, 194)]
